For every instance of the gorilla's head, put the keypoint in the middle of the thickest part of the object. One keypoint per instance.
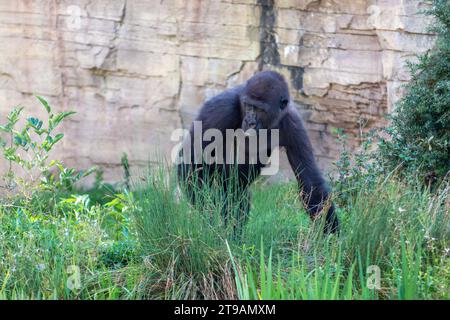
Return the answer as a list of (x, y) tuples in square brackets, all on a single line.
[(265, 95)]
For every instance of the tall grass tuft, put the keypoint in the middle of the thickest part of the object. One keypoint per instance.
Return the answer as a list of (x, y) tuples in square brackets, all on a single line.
[(184, 245)]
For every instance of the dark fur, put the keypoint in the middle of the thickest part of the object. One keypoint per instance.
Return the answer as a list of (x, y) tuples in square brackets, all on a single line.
[(267, 91)]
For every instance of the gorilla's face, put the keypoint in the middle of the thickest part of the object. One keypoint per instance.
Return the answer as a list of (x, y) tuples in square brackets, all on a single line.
[(265, 96)]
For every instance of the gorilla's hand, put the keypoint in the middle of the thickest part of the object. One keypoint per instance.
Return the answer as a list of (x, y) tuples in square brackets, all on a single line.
[(331, 221), (319, 204)]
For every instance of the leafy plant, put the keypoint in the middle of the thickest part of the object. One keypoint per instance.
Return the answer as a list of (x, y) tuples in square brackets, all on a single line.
[(419, 134), (29, 148), (126, 170), (117, 218), (356, 170)]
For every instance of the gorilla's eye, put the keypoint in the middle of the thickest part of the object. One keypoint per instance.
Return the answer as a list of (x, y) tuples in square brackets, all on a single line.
[(284, 103)]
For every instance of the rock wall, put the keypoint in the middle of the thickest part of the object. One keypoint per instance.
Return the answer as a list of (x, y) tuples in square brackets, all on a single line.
[(135, 70)]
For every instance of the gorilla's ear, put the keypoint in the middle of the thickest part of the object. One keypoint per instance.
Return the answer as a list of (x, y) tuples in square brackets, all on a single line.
[(284, 102)]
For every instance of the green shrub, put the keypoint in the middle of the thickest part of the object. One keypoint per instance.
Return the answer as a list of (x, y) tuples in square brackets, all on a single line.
[(49, 230), (28, 148), (118, 254), (419, 134)]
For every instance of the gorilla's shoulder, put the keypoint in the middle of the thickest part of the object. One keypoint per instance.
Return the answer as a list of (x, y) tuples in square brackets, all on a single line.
[(223, 110), (291, 116), (227, 98)]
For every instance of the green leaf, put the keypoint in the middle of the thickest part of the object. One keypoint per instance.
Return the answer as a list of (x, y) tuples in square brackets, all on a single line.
[(89, 171), (60, 167), (45, 104), (56, 120), (19, 140), (13, 117), (58, 137), (35, 123)]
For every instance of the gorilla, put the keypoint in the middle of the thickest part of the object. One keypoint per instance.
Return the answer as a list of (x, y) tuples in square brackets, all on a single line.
[(261, 104)]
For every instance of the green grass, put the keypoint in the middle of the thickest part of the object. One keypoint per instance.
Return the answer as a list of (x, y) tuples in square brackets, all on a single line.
[(401, 230), (153, 244)]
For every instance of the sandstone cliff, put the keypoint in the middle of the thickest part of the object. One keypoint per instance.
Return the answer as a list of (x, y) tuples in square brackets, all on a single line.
[(135, 70)]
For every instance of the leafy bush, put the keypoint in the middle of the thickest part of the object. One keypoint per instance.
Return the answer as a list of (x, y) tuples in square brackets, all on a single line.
[(419, 135), (29, 147), (118, 254), (49, 230), (355, 170)]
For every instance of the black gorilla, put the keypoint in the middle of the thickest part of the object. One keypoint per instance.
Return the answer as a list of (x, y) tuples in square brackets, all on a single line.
[(261, 103)]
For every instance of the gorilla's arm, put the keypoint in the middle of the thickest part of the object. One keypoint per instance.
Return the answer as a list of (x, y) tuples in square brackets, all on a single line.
[(220, 112), (314, 190)]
